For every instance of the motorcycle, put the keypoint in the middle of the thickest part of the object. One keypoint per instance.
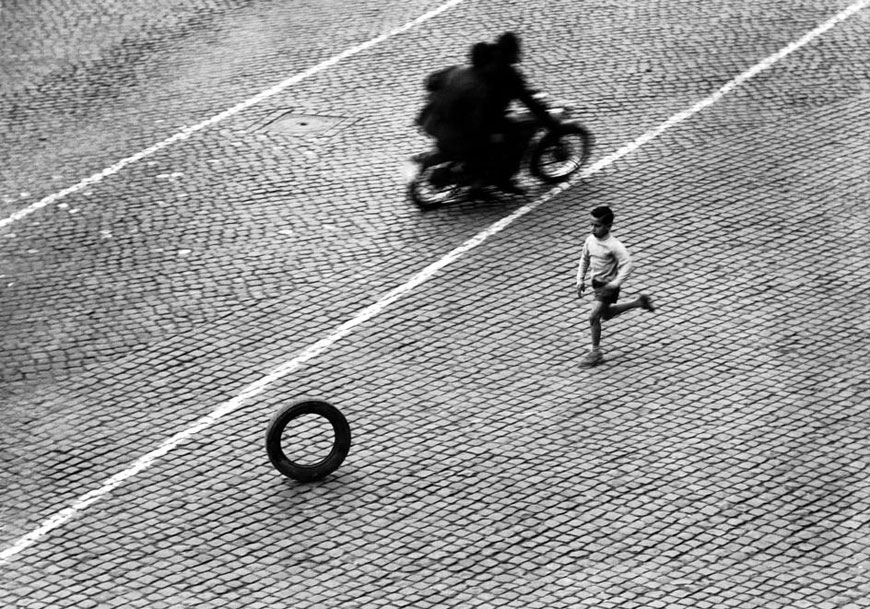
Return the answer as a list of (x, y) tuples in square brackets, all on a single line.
[(551, 156)]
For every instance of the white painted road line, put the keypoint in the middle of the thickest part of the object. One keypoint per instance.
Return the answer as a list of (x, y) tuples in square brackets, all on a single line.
[(395, 294), (188, 131)]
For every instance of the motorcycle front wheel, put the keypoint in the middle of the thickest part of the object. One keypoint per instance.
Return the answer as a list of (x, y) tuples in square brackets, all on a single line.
[(428, 192), (560, 154)]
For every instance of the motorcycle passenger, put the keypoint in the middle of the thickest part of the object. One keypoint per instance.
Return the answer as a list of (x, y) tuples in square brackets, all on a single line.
[(456, 113), (506, 83)]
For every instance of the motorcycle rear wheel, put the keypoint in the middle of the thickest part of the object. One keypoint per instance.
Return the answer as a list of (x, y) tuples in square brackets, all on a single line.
[(428, 196), (560, 154)]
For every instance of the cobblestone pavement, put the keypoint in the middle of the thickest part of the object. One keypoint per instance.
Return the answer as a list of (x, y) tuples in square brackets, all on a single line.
[(718, 459)]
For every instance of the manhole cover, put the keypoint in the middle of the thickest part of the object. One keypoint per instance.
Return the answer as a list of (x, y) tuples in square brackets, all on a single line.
[(288, 123)]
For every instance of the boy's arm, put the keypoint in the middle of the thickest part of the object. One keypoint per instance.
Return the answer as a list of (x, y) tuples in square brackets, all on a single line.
[(623, 265), (581, 270)]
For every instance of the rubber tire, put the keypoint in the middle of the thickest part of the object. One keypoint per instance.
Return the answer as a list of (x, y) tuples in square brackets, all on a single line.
[(550, 139), (317, 471)]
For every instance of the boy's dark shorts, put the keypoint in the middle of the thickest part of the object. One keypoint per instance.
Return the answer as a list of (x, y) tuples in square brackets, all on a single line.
[(605, 295)]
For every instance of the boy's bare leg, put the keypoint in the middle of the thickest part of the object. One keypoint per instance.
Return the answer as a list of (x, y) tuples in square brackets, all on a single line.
[(603, 311), (599, 311), (594, 357), (641, 302)]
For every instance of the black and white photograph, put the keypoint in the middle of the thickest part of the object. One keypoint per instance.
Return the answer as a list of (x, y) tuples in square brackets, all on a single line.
[(435, 304)]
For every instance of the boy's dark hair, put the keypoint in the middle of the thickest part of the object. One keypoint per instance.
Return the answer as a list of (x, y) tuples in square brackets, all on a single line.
[(603, 213)]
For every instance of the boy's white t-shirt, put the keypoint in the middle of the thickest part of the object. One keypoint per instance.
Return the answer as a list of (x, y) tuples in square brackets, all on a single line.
[(608, 259)]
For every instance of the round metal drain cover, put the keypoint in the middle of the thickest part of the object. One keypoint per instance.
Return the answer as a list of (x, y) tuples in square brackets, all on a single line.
[(302, 124)]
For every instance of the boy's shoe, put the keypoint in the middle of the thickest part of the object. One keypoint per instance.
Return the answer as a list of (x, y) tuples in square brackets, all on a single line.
[(646, 303), (593, 358)]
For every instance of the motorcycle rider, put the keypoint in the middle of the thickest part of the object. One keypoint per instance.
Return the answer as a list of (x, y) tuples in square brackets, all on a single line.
[(506, 83)]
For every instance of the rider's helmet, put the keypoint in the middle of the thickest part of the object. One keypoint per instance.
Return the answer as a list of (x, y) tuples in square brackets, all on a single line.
[(508, 47)]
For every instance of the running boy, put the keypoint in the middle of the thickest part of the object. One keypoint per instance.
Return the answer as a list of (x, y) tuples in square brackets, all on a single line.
[(610, 265)]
